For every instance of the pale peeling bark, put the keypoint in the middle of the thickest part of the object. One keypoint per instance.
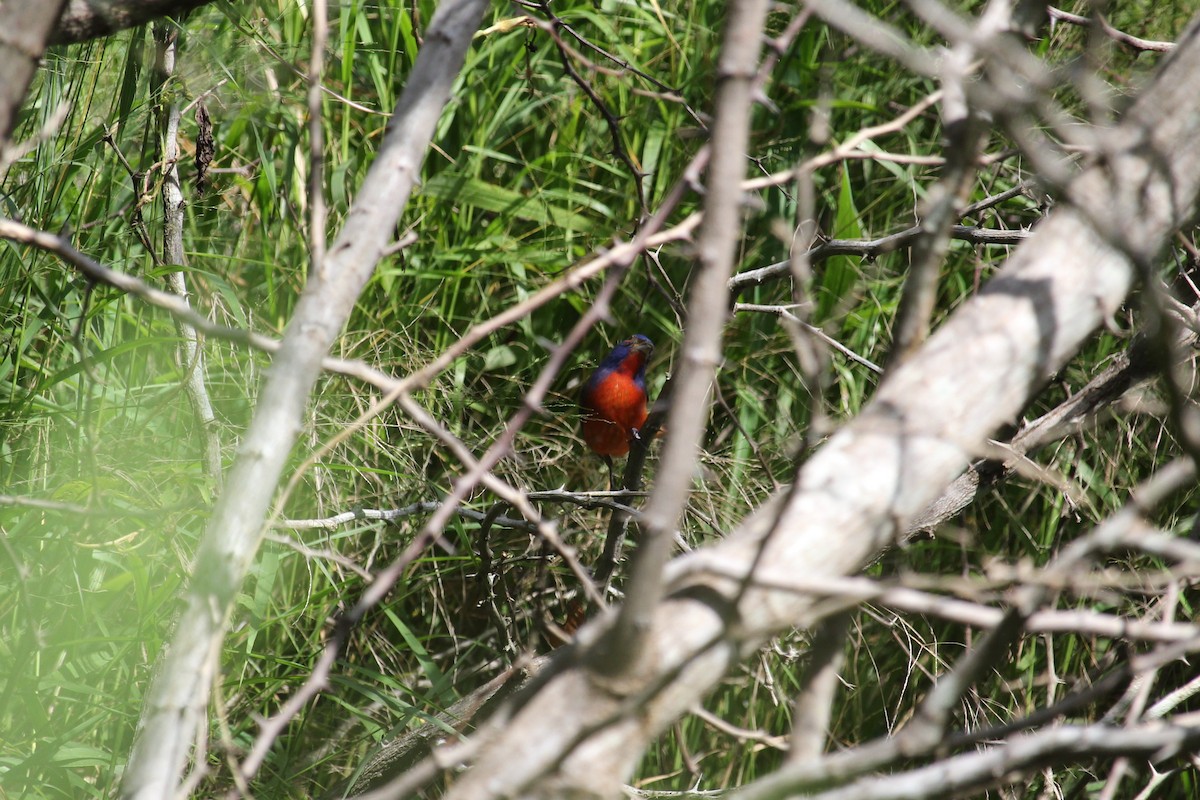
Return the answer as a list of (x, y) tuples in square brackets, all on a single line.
[(580, 736), (173, 720), (191, 350)]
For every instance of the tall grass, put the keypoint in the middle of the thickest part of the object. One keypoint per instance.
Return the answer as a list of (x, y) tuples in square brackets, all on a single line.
[(523, 183)]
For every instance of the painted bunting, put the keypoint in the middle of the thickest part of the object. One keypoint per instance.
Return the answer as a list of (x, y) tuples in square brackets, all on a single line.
[(614, 398)]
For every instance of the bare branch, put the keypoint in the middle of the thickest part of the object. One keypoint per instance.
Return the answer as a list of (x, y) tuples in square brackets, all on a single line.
[(190, 353), (316, 136), (392, 514), (786, 313), (1005, 763), (813, 706), (873, 248), (965, 133), (25, 26), (90, 19), (622, 650), (1120, 37)]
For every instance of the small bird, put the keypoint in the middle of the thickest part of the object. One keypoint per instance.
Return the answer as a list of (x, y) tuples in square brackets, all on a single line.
[(614, 399)]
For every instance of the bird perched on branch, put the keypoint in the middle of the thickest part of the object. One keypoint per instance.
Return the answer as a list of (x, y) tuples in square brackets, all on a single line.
[(614, 399)]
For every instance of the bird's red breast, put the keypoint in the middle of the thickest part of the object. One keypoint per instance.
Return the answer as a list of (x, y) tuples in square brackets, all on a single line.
[(614, 398)]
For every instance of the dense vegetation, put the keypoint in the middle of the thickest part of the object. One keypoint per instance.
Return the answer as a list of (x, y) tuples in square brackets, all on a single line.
[(101, 454)]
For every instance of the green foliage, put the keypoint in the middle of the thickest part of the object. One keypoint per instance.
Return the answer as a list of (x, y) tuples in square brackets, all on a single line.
[(523, 183)]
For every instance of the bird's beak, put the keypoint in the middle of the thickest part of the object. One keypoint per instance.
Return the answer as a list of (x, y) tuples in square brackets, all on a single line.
[(640, 346)]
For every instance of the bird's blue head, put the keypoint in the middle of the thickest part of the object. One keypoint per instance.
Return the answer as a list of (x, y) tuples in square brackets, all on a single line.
[(629, 356), (639, 347)]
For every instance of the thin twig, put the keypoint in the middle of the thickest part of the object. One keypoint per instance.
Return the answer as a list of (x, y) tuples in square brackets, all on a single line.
[(1127, 39), (873, 248), (787, 312)]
